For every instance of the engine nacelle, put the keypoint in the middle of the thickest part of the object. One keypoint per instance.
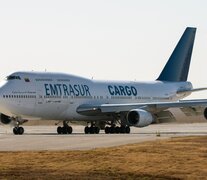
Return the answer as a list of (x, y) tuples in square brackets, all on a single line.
[(5, 119), (139, 118), (205, 113)]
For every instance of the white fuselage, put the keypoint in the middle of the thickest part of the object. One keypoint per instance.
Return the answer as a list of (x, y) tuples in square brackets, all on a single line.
[(56, 96)]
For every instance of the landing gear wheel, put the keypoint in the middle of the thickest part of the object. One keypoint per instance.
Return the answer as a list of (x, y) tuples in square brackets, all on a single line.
[(107, 130), (59, 130), (15, 130), (117, 130), (66, 129), (112, 130), (92, 130), (18, 130), (21, 130), (97, 130), (127, 129), (87, 130), (122, 130), (69, 130)]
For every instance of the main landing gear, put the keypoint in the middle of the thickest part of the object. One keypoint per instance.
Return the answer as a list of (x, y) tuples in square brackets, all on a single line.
[(117, 130), (66, 129), (93, 129)]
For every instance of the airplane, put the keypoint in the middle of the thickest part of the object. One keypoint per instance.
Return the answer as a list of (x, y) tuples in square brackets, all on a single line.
[(113, 106)]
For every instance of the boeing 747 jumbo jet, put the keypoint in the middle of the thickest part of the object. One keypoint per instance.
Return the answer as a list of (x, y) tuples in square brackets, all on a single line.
[(110, 105)]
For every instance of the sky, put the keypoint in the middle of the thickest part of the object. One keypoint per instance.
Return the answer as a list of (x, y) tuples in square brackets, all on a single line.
[(101, 39)]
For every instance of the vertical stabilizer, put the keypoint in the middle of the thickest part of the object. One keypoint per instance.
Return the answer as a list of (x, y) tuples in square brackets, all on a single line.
[(178, 64)]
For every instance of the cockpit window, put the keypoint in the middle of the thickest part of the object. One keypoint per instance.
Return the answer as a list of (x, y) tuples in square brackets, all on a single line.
[(12, 78), (26, 79)]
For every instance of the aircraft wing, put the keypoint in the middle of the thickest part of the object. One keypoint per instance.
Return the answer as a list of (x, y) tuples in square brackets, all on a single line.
[(153, 108)]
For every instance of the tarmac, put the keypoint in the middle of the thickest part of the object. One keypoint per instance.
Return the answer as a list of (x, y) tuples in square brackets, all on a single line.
[(38, 138)]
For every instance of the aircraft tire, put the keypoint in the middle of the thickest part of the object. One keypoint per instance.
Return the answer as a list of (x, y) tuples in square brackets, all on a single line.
[(107, 130), (122, 130), (15, 130), (117, 130), (127, 130), (112, 130), (92, 130), (64, 130), (59, 130), (20, 130), (69, 130), (86, 130), (97, 130)]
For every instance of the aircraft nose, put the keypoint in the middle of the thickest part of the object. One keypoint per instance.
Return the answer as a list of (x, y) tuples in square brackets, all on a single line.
[(1, 100), (1, 93)]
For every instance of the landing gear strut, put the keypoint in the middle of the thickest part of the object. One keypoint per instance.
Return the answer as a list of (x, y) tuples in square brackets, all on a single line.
[(93, 129), (66, 129)]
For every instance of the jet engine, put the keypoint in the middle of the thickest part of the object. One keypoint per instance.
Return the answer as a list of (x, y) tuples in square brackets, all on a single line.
[(5, 119), (139, 118)]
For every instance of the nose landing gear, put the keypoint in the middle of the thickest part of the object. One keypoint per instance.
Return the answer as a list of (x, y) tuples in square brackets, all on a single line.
[(18, 130)]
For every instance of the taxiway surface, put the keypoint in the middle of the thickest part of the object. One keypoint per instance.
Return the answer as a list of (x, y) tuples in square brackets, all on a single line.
[(46, 138)]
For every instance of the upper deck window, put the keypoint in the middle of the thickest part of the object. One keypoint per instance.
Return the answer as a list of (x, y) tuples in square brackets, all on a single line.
[(12, 78)]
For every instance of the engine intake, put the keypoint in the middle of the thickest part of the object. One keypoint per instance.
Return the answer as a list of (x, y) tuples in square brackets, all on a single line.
[(139, 118)]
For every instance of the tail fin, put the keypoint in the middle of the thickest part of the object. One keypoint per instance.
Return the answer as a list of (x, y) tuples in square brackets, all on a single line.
[(178, 64)]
